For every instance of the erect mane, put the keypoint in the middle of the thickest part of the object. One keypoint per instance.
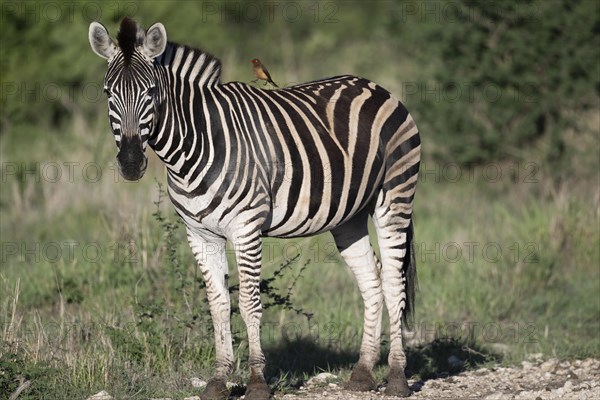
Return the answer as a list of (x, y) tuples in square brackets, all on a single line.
[(128, 38), (210, 72)]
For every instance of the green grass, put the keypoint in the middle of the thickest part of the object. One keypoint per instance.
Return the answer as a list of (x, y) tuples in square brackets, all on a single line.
[(129, 315)]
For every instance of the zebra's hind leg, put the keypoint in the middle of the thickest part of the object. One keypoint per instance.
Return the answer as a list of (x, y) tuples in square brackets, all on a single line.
[(394, 233), (352, 240), (248, 255)]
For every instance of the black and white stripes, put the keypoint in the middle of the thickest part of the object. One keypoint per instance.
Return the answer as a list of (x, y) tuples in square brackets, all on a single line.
[(244, 163)]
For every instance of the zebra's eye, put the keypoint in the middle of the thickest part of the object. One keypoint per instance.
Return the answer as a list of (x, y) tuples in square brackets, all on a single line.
[(151, 91)]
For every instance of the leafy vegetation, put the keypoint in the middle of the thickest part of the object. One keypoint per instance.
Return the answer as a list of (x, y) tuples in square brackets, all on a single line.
[(98, 288), (517, 71)]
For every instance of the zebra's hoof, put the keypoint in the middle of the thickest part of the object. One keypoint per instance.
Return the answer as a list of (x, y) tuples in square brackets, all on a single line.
[(361, 380), (257, 391), (397, 384), (216, 389)]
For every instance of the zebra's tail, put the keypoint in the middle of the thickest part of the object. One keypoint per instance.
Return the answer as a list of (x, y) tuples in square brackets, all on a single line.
[(410, 272)]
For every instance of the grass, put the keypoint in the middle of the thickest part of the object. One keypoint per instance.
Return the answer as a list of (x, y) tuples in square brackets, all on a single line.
[(98, 288)]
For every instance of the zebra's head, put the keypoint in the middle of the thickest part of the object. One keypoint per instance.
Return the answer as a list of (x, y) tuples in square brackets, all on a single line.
[(131, 86)]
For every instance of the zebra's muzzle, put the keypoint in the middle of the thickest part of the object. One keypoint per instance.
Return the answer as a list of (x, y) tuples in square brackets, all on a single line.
[(131, 158)]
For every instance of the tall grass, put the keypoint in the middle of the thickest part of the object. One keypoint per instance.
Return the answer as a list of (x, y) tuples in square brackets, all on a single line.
[(506, 267)]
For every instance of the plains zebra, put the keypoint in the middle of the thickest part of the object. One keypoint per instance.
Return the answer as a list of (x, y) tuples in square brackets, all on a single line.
[(243, 163)]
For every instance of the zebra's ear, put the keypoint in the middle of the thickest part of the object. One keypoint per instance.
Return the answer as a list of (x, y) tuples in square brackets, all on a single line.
[(101, 43), (155, 41)]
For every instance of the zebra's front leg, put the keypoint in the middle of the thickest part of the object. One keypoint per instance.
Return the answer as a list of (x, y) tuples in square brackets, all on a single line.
[(248, 251), (212, 261)]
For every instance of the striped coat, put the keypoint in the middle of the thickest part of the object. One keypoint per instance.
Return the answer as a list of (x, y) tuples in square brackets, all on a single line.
[(244, 163)]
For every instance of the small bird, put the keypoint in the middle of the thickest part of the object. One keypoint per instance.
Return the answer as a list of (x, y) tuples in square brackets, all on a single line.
[(261, 72)]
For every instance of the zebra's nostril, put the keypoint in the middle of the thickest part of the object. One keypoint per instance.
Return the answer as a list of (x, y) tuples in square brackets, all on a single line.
[(131, 158), (132, 171)]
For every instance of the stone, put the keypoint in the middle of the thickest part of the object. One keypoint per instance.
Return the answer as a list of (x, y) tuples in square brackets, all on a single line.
[(497, 396), (197, 382), (535, 357), (568, 387), (103, 395), (526, 365), (550, 365), (320, 379)]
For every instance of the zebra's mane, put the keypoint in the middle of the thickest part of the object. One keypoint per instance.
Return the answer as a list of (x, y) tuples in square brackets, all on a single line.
[(129, 36), (210, 72)]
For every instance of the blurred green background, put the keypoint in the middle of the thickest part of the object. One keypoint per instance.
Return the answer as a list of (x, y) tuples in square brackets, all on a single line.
[(98, 287)]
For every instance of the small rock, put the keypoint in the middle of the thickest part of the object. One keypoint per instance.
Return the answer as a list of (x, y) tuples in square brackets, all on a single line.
[(197, 382), (103, 395), (526, 365), (192, 398), (497, 396), (568, 386), (573, 375), (550, 365), (333, 385), (589, 363), (321, 378), (535, 357)]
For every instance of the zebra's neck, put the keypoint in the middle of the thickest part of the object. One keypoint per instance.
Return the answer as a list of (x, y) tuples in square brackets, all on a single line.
[(187, 77)]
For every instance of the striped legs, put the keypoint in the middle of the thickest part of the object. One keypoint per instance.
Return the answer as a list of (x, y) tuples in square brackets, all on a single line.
[(248, 254), (209, 251), (392, 234), (352, 240)]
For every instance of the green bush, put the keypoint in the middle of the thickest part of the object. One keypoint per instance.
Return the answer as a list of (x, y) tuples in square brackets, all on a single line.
[(509, 75)]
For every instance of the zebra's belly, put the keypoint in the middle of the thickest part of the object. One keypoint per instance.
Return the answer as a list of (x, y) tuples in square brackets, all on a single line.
[(297, 227), (308, 215)]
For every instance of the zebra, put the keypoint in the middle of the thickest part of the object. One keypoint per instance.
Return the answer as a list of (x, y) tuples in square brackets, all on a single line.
[(245, 163)]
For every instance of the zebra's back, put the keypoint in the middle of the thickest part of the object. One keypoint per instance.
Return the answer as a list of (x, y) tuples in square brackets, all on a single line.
[(329, 144)]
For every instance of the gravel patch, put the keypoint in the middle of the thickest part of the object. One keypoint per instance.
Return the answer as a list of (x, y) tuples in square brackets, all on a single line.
[(532, 380)]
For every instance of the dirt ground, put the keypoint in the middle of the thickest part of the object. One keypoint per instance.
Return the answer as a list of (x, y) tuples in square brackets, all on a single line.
[(541, 380), (532, 380)]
